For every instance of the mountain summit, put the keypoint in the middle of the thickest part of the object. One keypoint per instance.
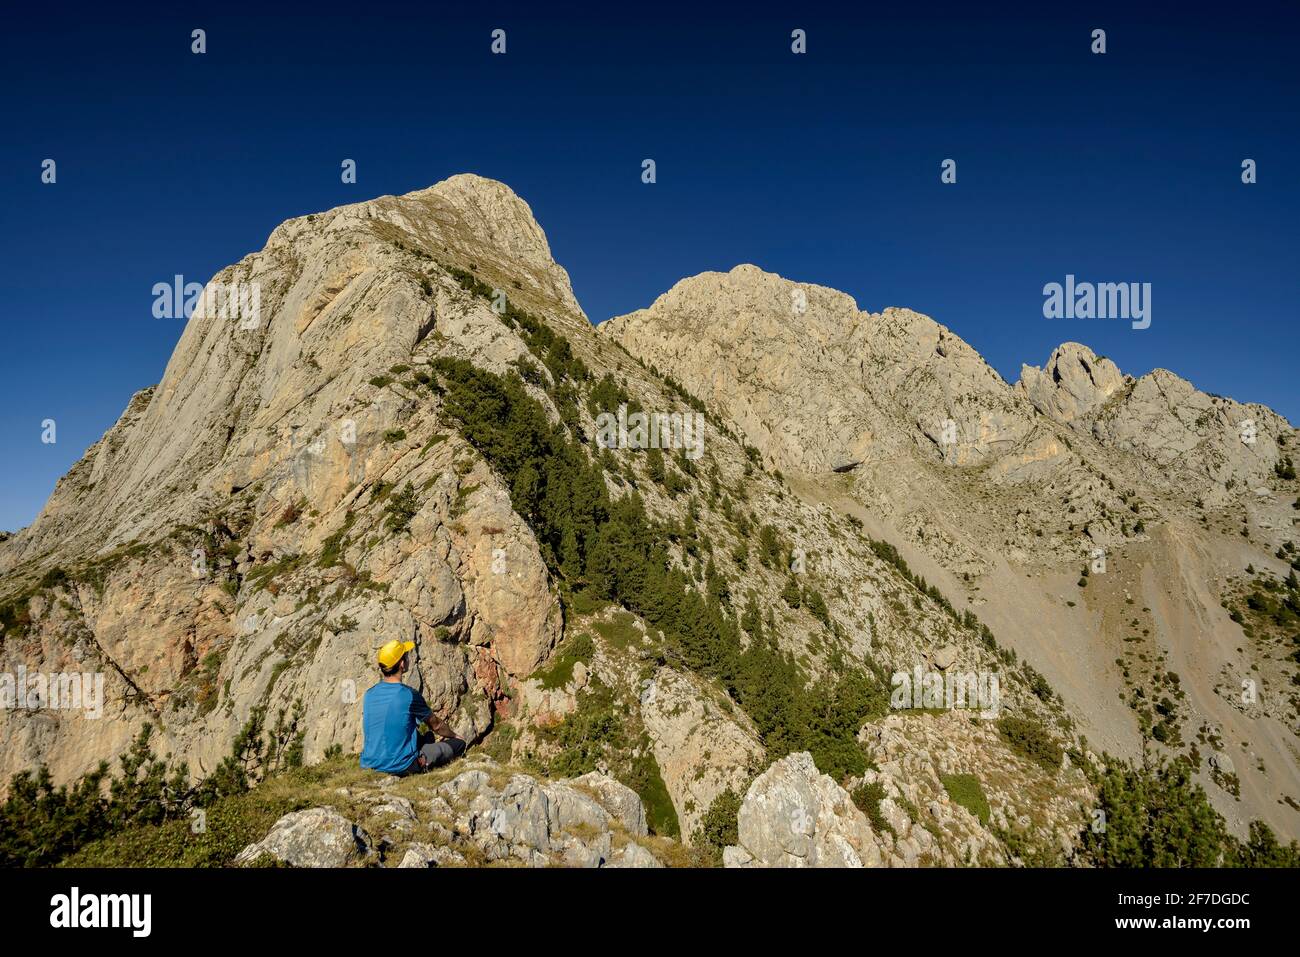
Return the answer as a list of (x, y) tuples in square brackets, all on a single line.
[(404, 444)]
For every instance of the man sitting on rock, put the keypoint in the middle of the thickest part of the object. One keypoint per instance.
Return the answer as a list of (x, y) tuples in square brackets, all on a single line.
[(391, 714)]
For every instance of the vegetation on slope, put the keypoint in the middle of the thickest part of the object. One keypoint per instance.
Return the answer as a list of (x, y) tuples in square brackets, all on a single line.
[(41, 825), (1153, 815), (609, 549)]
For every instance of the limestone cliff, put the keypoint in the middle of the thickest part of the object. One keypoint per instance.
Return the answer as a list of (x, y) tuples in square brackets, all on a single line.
[(870, 497)]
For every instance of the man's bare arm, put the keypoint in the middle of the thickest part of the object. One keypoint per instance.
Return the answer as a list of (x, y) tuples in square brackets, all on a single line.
[(440, 727)]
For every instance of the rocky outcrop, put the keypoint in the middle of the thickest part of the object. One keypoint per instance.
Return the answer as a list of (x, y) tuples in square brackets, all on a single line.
[(618, 799), (1074, 384), (481, 815), (1212, 442), (795, 816), (685, 720), (1209, 443), (948, 789), (319, 837)]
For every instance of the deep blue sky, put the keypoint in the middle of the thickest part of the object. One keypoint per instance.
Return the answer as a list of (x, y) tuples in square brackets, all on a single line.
[(822, 167)]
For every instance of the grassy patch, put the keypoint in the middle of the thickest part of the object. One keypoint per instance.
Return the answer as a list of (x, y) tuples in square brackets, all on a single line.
[(262, 576), (437, 439), (620, 630), (332, 549), (559, 672), (965, 789)]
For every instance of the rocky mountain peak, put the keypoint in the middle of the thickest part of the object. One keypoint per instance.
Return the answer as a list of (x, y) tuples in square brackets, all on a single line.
[(815, 383), (404, 443), (1073, 383), (492, 211)]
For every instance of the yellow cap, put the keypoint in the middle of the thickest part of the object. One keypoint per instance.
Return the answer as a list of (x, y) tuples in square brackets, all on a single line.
[(392, 652)]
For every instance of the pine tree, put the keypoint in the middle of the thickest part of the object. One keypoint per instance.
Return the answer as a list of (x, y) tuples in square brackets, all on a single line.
[(790, 593)]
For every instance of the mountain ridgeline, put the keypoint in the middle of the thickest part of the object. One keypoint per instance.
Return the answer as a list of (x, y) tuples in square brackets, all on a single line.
[(414, 441)]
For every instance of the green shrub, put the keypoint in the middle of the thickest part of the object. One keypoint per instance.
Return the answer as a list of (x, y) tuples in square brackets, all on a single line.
[(54, 578), (816, 606), (333, 546), (559, 671), (620, 630), (1030, 739), (965, 789), (1153, 816), (401, 508), (718, 827), (867, 796)]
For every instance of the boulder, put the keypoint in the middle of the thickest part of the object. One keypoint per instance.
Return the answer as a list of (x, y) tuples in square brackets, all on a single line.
[(634, 855), (945, 656), (618, 799), (317, 837), (795, 816)]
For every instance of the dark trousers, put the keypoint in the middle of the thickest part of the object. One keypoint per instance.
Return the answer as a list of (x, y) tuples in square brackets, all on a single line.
[(434, 753)]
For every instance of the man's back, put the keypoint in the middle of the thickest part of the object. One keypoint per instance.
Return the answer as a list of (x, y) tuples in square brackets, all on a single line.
[(390, 712)]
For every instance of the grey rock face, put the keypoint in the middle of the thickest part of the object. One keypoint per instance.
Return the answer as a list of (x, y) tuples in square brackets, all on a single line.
[(1074, 383), (945, 656), (514, 821), (317, 837), (634, 856), (420, 855), (795, 816), (618, 799), (544, 823)]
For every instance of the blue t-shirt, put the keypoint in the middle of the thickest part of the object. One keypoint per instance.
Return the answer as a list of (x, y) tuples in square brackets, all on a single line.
[(389, 713)]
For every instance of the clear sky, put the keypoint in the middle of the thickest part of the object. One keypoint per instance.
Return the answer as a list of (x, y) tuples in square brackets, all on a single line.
[(823, 167)]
